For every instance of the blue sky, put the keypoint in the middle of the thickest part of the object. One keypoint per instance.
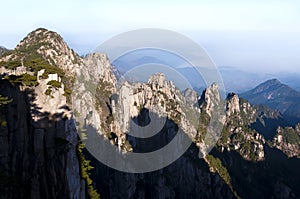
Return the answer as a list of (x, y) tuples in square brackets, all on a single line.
[(250, 35)]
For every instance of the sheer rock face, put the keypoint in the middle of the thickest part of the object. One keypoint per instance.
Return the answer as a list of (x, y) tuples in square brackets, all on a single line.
[(53, 102), (98, 67), (191, 96), (161, 98), (93, 85), (38, 152), (174, 181), (233, 104), (40, 149), (210, 98)]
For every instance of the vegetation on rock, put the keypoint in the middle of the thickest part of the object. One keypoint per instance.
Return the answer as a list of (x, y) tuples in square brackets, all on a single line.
[(24, 80), (85, 169), (54, 84), (3, 101)]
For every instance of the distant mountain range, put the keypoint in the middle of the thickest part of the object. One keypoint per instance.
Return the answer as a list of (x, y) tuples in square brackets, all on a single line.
[(277, 96), (240, 81), (235, 80), (3, 50)]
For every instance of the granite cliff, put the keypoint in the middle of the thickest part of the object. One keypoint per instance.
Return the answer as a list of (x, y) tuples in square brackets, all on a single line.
[(41, 157)]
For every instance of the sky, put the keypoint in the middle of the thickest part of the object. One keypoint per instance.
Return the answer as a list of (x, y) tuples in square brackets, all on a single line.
[(258, 36)]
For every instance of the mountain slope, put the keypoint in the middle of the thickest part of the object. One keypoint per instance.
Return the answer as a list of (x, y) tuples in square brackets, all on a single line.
[(41, 48), (242, 145), (40, 156), (277, 96), (39, 143)]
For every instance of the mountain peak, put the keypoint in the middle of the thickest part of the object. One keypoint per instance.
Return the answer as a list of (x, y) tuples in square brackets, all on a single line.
[(40, 36), (272, 81), (210, 98), (42, 45), (276, 95), (269, 85), (158, 79)]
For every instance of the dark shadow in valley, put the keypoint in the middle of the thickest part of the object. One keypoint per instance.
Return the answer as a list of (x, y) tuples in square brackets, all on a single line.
[(38, 160), (157, 141), (187, 177), (275, 177), (190, 177), (292, 120), (267, 126)]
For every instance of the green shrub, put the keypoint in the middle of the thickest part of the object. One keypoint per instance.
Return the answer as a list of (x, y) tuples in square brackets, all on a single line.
[(24, 79), (67, 93), (44, 76), (4, 100), (110, 119), (55, 84), (290, 136), (11, 64), (76, 113), (85, 167), (48, 91), (219, 167), (224, 137), (38, 63)]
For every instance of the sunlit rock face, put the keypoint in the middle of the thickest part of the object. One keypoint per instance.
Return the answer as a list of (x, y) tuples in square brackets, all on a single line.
[(39, 133)]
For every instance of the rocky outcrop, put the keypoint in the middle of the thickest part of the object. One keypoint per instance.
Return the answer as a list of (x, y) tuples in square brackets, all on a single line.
[(210, 99), (233, 104), (191, 96), (47, 45), (144, 102), (288, 140), (158, 96), (237, 134)]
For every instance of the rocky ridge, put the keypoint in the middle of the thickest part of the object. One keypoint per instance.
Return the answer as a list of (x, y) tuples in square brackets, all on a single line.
[(155, 95), (277, 96), (39, 159), (49, 126)]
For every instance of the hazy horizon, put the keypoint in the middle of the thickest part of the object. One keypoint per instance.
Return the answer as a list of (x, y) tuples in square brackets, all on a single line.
[(251, 36)]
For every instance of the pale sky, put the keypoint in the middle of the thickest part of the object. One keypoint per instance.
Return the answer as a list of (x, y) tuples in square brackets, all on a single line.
[(250, 35)]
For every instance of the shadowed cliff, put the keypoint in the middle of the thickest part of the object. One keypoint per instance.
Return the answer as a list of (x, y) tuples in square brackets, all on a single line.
[(38, 157)]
